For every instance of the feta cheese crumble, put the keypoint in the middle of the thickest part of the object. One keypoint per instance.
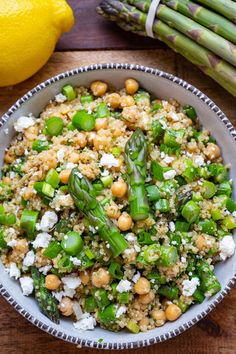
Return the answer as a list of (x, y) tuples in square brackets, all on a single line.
[(60, 155), (136, 277), (48, 221), (75, 261), (123, 286), (120, 311), (85, 323), (172, 226), (227, 247), (14, 271), (29, 259), (190, 286), (23, 123), (60, 98), (169, 174), (42, 240), (27, 285), (71, 282), (199, 160), (109, 160)]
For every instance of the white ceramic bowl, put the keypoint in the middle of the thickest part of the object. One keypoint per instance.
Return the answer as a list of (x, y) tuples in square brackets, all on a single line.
[(160, 84)]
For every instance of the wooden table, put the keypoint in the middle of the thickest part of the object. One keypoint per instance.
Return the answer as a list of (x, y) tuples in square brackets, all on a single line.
[(216, 334)]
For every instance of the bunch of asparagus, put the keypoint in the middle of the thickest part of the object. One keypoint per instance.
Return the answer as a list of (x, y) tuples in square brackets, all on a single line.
[(205, 35)]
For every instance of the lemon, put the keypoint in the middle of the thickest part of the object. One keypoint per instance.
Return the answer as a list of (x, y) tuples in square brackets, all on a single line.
[(29, 30)]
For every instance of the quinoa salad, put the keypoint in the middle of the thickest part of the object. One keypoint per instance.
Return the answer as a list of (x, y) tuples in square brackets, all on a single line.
[(115, 207)]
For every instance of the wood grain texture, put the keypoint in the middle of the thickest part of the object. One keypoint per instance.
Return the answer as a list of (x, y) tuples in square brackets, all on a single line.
[(92, 31), (216, 334)]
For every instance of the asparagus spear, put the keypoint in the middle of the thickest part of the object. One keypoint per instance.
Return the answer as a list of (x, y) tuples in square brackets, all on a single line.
[(135, 154), (205, 17), (226, 8), (130, 19), (46, 301), (193, 30), (84, 197)]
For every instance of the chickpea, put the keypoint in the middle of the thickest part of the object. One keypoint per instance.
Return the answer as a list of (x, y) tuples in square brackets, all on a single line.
[(113, 211), (98, 88), (100, 142), (142, 287), (212, 151), (64, 176), (125, 222), (159, 317), (100, 278), (66, 306), (119, 188), (9, 158), (116, 133), (31, 132), (74, 157), (201, 242), (52, 282), (113, 100), (80, 140), (84, 277), (6, 180), (101, 123), (48, 159), (144, 322), (131, 86), (126, 101), (172, 312), (146, 298)]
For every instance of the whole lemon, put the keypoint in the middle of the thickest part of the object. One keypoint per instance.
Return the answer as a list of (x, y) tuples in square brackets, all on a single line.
[(29, 30)]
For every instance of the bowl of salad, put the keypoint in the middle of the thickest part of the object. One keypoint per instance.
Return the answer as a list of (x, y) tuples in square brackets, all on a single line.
[(117, 212)]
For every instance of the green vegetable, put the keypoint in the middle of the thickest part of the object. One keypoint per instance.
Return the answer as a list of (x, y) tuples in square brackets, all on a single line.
[(229, 222), (5, 191), (144, 238), (169, 291), (62, 226), (83, 121), (156, 106), (130, 18), (208, 226), (115, 270), (133, 327), (209, 189), (173, 138), (48, 190), (182, 226), (102, 111), (153, 193), (86, 99), (53, 178), (190, 211), (7, 219), (116, 151), (84, 197), (123, 298), (136, 155), (157, 130), (54, 126), (198, 296), (90, 304), (190, 112), (3, 244), (225, 188), (108, 314), (107, 181), (163, 205), (40, 145), (169, 256), (152, 253), (101, 298), (218, 172), (157, 171), (69, 92), (72, 243), (53, 249), (71, 127), (28, 222), (155, 275), (209, 283), (47, 303), (65, 265)]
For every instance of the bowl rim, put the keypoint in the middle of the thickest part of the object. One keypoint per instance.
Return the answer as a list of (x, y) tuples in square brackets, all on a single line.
[(205, 99)]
